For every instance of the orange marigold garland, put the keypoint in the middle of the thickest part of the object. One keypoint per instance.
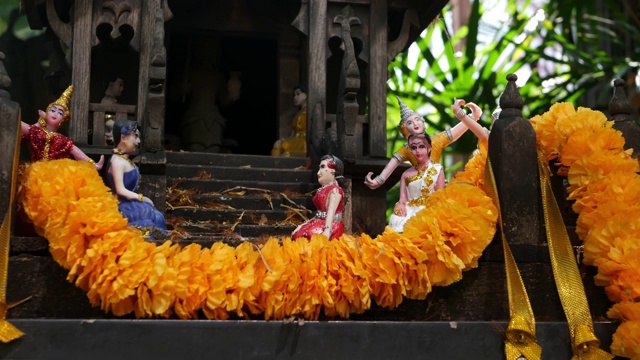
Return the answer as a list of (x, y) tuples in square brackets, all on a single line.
[(604, 183), (122, 273)]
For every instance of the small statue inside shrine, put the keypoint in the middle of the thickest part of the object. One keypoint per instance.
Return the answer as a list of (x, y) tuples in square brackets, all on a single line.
[(329, 202), (108, 130), (296, 144), (124, 177), (113, 90), (412, 123), (417, 183), (203, 123), (44, 141)]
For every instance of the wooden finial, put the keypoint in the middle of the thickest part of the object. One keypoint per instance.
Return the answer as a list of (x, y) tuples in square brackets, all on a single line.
[(511, 102), (620, 108), (5, 80)]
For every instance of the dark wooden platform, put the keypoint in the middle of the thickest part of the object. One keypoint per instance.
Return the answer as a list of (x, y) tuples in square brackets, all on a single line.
[(169, 339)]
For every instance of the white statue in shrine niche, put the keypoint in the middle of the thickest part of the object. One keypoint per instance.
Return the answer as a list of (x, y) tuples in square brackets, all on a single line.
[(113, 89)]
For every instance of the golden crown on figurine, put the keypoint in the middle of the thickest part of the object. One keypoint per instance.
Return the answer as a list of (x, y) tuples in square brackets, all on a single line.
[(405, 113), (63, 101)]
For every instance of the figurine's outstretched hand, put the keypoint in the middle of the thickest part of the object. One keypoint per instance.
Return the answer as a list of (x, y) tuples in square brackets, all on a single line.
[(373, 183), (100, 163), (42, 114), (476, 112), (457, 106)]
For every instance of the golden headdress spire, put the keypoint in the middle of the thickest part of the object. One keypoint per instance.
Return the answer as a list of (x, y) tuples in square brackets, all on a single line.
[(405, 113), (63, 101)]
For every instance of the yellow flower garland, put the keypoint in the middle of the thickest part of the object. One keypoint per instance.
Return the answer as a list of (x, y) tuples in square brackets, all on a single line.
[(122, 273), (604, 183)]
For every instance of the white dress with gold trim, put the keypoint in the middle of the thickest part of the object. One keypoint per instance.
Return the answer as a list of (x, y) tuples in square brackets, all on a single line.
[(419, 187)]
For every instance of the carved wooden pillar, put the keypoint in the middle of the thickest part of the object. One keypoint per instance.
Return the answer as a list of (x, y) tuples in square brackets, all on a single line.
[(620, 111), (378, 79), (512, 150), (151, 100), (316, 99), (9, 123), (80, 68), (349, 130)]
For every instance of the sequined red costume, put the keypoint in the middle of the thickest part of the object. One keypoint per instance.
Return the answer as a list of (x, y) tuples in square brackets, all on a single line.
[(315, 225), (47, 146)]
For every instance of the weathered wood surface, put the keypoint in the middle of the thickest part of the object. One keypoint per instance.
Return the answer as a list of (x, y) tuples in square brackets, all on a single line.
[(316, 99), (81, 71), (512, 151), (10, 134), (378, 75), (175, 339), (620, 111)]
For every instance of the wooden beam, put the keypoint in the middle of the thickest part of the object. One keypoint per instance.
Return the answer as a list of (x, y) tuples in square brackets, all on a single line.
[(378, 80), (81, 71), (317, 74)]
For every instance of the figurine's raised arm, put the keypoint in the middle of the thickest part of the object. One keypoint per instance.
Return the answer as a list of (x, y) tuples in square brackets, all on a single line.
[(45, 142), (469, 121)]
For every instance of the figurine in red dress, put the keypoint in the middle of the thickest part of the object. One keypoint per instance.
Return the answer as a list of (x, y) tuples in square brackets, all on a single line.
[(329, 201), (45, 142)]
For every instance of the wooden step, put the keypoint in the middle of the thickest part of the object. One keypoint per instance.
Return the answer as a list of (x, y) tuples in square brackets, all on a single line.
[(236, 160), (244, 230), (238, 173), (216, 186), (266, 201), (236, 198), (230, 216)]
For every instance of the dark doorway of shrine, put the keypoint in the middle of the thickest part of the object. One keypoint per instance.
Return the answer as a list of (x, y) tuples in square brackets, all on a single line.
[(204, 71)]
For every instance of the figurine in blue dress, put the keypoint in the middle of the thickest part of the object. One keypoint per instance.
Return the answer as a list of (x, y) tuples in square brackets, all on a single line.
[(124, 177)]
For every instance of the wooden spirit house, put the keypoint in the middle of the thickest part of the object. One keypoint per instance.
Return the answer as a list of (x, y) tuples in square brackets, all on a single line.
[(341, 49)]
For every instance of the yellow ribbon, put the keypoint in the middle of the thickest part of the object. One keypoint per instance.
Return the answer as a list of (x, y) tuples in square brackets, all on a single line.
[(520, 337), (8, 332), (565, 271)]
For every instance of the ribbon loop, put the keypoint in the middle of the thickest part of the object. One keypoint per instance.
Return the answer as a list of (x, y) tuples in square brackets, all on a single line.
[(565, 272), (520, 338), (587, 345)]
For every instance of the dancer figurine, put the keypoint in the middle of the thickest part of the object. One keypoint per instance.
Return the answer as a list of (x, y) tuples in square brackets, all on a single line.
[(123, 179), (412, 123), (45, 142), (417, 183), (329, 201)]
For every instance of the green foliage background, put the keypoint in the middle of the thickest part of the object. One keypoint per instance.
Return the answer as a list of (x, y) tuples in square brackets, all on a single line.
[(590, 43), (576, 31)]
